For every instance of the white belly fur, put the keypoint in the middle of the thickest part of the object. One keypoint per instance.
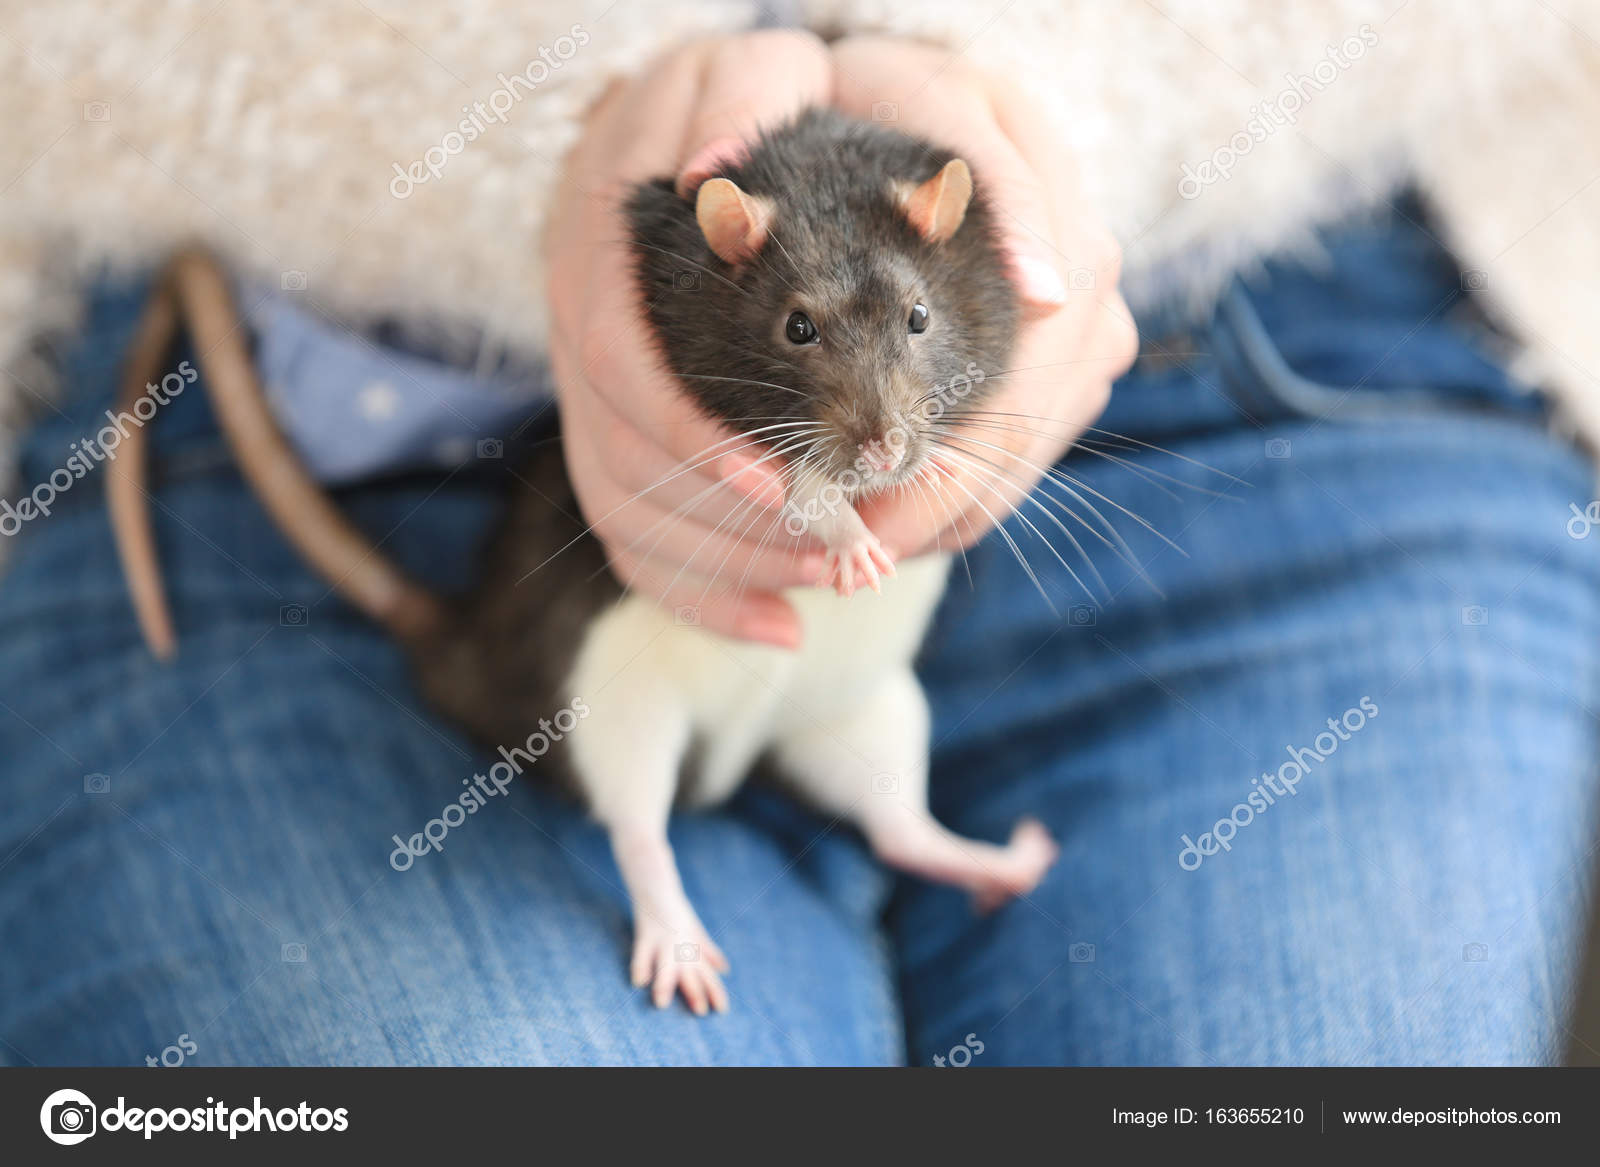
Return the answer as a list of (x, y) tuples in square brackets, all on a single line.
[(644, 675)]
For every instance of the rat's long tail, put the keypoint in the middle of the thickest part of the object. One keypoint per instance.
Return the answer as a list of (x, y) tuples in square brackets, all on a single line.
[(194, 288)]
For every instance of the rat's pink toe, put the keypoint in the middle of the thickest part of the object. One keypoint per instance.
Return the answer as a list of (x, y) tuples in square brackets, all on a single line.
[(694, 994), (869, 572)]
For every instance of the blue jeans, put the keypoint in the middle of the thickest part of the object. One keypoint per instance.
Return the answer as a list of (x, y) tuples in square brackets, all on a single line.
[(1324, 797)]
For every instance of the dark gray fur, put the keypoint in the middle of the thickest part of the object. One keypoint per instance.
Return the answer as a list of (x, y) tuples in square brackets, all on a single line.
[(839, 249)]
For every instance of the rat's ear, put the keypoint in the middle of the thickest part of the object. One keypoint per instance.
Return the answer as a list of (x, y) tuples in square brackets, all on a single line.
[(734, 223), (937, 207)]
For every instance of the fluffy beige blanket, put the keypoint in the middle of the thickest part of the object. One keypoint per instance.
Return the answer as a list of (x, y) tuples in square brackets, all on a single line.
[(1212, 131)]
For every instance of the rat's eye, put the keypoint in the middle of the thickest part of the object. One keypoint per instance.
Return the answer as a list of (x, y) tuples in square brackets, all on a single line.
[(800, 330), (919, 318)]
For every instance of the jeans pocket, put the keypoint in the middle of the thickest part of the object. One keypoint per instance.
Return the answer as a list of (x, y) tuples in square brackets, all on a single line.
[(1370, 369)]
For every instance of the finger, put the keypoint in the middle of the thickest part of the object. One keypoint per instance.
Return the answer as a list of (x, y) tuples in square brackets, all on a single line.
[(668, 95), (768, 560), (1084, 241), (995, 473), (635, 470), (615, 361), (634, 494), (598, 333), (755, 552), (751, 83), (1065, 366), (936, 97), (680, 588), (613, 154), (763, 617)]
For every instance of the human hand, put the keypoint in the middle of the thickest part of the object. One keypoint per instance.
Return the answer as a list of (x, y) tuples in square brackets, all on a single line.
[(680, 503), (1077, 334)]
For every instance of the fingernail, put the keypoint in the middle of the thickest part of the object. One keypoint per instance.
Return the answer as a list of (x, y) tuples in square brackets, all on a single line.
[(1039, 282), (706, 161), (756, 483)]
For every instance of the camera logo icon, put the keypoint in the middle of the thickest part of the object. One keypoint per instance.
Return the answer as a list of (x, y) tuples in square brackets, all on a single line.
[(1082, 616), (1475, 953), (97, 783), (685, 281), (1277, 449), (1081, 279), (686, 953), (885, 783), (1474, 280), (491, 448), (1081, 953), (97, 111), (294, 953), (293, 281), (1474, 615), (686, 614), (293, 615), (885, 111), (68, 1117)]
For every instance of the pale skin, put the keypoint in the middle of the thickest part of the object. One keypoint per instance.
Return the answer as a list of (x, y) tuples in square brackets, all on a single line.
[(683, 507)]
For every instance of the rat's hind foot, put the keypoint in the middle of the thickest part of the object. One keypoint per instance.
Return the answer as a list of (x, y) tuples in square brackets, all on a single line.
[(860, 553), (671, 951), (679, 960), (918, 844), (1030, 853)]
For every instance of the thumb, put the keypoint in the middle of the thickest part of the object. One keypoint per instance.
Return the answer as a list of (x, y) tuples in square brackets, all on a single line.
[(933, 96), (756, 83), (1020, 204), (759, 81)]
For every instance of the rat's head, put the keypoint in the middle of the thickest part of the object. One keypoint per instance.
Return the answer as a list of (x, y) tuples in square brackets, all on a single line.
[(837, 297)]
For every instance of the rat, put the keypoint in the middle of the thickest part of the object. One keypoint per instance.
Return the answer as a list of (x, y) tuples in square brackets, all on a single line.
[(851, 301)]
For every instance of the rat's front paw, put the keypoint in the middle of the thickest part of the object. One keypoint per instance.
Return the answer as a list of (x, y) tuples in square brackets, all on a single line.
[(679, 960), (861, 555)]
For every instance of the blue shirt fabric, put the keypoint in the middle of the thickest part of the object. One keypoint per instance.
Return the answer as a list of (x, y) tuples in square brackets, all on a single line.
[(356, 407)]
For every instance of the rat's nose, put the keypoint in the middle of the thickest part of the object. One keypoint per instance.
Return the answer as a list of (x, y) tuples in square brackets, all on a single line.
[(881, 456)]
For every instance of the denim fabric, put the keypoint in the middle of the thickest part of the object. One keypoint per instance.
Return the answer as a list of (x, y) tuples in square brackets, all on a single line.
[(1417, 897)]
